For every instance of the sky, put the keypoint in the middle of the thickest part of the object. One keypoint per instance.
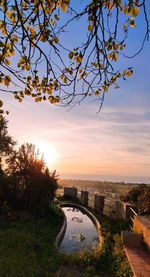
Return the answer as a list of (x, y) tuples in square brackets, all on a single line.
[(83, 144)]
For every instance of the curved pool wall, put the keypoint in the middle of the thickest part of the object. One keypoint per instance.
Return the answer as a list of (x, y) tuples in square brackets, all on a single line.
[(61, 234), (62, 231)]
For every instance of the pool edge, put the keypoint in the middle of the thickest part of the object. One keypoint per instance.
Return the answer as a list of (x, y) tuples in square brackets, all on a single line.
[(95, 221)]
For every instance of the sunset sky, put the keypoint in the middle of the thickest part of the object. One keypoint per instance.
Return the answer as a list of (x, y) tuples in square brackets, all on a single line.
[(79, 143)]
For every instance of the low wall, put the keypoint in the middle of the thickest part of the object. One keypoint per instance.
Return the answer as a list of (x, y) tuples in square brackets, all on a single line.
[(141, 225), (99, 202), (123, 210), (61, 234), (70, 192), (84, 198)]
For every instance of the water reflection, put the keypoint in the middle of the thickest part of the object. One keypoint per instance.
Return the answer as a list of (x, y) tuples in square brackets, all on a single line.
[(81, 234)]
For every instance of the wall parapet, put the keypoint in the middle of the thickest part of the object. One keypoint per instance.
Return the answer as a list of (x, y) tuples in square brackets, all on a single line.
[(123, 210), (141, 225)]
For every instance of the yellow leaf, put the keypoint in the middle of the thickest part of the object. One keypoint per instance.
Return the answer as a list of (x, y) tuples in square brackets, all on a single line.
[(110, 5), (134, 11), (56, 40), (132, 23), (115, 46), (32, 30), (7, 80), (101, 66), (79, 59), (105, 88), (12, 52), (126, 11), (109, 56), (65, 80), (90, 28), (115, 57), (64, 7), (7, 61), (71, 54), (97, 93), (38, 99), (124, 72), (129, 73), (27, 67), (9, 14), (3, 30), (15, 38)]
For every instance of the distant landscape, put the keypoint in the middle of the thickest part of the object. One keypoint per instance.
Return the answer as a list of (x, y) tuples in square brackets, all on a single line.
[(104, 187)]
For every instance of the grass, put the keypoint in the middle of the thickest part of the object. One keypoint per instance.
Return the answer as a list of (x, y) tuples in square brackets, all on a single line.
[(27, 247)]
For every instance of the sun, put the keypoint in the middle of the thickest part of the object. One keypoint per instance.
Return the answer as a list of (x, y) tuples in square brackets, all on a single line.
[(48, 151)]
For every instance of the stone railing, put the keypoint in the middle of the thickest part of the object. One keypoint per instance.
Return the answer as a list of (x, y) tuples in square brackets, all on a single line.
[(124, 210), (141, 225)]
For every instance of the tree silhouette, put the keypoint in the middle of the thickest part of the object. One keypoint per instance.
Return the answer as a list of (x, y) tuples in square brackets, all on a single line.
[(45, 67), (6, 141), (33, 184)]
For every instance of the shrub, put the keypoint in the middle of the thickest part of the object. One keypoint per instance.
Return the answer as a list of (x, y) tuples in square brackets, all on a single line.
[(140, 198), (120, 265)]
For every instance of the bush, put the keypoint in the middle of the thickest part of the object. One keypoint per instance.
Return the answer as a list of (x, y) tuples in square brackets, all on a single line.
[(120, 265), (140, 198)]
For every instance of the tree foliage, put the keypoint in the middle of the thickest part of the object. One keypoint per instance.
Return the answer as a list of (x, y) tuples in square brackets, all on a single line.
[(45, 67), (6, 141), (24, 162), (140, 198), (26, 183), (32, 182)]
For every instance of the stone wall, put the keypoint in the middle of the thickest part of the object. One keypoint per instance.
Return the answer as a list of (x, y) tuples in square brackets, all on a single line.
[(70, 192), (123, 210), (99, 203), (84, 198), (141, 225)]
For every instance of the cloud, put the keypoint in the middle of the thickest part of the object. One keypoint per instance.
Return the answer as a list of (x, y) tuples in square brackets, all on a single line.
[(115, 141)]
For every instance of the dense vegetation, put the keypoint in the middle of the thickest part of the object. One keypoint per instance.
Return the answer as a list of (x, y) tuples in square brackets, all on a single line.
[(108, 261), (140, 198), (25, 182)]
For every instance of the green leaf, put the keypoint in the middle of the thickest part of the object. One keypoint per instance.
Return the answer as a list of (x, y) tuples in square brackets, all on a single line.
[(71, 54), (1, 44)]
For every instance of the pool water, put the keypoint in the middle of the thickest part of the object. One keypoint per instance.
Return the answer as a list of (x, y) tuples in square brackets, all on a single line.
[(81, 233)]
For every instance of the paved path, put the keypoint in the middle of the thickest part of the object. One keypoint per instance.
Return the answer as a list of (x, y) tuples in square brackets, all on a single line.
[(139, 258)]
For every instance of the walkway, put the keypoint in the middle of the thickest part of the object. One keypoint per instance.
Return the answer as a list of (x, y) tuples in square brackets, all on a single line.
[(139, 258)]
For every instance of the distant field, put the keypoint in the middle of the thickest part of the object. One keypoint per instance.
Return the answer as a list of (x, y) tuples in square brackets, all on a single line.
[(99, 186)]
